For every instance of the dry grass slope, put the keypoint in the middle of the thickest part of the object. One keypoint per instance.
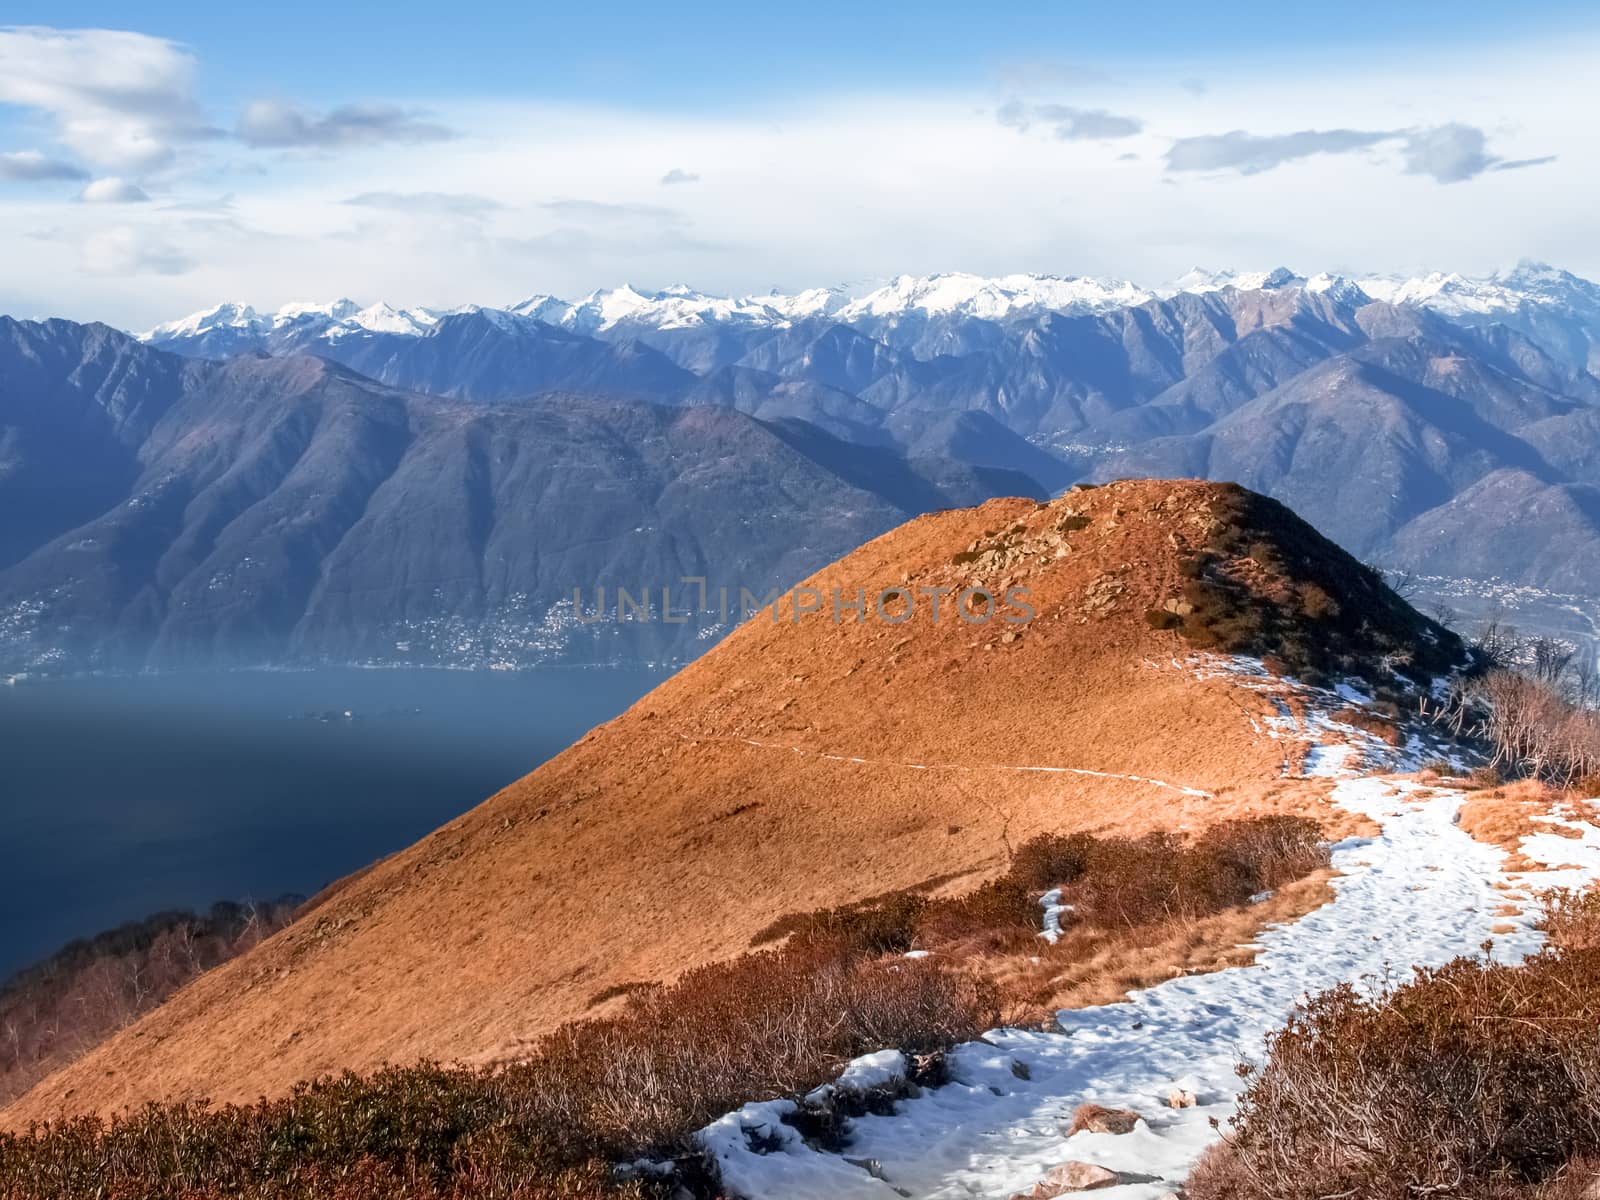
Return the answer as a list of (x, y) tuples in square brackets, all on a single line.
[(802, 765)]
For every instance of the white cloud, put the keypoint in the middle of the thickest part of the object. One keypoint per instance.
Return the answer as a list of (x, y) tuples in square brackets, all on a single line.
[(452, 204), (679, 175), (30, 166), (112, 190), (850, 187), (127, 250), (122, 101)]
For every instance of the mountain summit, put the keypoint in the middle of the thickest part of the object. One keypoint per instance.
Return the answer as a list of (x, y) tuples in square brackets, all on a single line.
[(844, 744)]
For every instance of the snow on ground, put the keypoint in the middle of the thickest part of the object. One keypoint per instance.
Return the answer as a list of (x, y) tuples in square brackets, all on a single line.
[(1573, 861), (1421, 892)]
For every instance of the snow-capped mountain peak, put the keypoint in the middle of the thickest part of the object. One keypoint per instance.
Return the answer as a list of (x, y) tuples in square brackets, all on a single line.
[(1520, 293), (227, 315), (1199, 280), (1528, 285), (961, 294), (334, 310), (1336, 287)]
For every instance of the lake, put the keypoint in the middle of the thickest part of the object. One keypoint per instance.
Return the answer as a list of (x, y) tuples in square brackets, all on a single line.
[(124, 796)]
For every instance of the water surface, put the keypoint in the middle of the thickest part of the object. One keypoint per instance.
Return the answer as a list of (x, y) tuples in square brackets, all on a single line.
[(122, 797)]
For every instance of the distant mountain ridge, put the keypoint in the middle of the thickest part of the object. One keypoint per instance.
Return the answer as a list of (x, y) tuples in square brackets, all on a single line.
[(264, 510), (1528, 286), (1446, 424)]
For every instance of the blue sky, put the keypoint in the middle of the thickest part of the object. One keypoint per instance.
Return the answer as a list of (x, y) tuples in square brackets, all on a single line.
[(194, 153), (710, 54)]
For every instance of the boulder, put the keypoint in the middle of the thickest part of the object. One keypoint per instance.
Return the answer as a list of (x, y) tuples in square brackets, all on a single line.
[(1070, 1177)]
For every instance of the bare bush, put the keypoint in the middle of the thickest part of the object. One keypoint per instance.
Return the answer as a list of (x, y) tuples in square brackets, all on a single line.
[(592, 1095), (1571, 918), (59, 1009), (1476, 1079), (1531, 725)]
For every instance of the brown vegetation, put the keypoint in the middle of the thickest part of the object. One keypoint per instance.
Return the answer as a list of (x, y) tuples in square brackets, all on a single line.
[(1265, 583), (1140, 911), (552, 1127), (58, 1009), (1534, 705), (1474, 1080), (1504, 814), (637, 1084), (1088, 967)]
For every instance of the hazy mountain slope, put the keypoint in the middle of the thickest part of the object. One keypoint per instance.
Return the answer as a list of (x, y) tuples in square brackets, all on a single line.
[(1368, 440), (473, 356), (1509, 525), (288, 509), (774, 776), (977, 439), (770, 397), (76, 401)]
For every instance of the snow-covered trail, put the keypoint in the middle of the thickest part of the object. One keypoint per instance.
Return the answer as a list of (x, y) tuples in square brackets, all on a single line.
[(1422, 892)]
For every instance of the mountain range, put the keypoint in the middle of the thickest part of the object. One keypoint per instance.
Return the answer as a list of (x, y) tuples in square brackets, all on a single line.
[(337, 482), (285, 509)]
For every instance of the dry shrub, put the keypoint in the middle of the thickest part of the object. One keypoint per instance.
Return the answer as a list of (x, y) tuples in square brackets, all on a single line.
[(1113, 885), (881, 925), (1129, 882), (1533, 726), (1571, 918), (1270, 584), (770, 1025), (591, 1095), (59, 1009), (1475, 1079), (1089, 967)]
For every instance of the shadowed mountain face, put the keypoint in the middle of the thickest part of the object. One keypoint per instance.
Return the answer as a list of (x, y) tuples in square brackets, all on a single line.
[(286, 509)]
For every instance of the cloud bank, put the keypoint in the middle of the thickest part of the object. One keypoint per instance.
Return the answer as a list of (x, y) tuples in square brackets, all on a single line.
[(275, 125), (1067, 123), (1450, 153)]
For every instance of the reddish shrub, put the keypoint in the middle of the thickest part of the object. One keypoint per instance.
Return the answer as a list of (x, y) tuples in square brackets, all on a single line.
[(1474, 1080), (592, 1094)]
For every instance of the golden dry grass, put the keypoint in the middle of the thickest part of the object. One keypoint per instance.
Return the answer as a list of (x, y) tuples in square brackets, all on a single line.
[(1081, 972), (799, 765)]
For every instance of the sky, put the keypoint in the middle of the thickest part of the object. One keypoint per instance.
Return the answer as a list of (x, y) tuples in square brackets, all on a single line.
[(209, 153)]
